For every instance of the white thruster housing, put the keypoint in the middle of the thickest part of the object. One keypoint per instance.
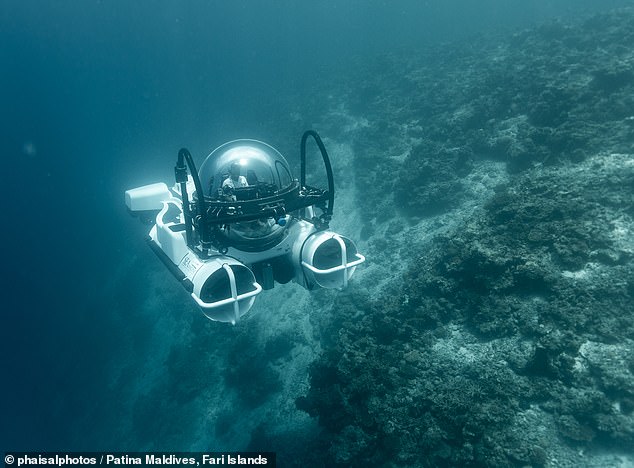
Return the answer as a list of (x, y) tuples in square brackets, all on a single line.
[(329, 259), (223, 287)]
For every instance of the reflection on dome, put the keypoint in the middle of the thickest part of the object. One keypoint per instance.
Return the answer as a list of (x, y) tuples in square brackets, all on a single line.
[(243, 170)]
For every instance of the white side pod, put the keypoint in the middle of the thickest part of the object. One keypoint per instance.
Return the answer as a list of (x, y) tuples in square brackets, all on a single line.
[(224, 288), (148, 197), (329, 259), (170, 235)]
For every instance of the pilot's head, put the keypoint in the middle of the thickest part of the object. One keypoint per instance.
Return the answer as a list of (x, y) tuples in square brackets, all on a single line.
[(235, 171)]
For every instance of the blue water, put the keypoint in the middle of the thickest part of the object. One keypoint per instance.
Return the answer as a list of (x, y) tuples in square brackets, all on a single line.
[(97, 97)]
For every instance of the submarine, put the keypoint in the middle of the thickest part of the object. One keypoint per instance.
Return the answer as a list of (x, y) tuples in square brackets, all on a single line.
[(242, 224)]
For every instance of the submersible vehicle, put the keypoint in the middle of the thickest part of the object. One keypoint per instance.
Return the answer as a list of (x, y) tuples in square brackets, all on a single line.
[(243, 223)]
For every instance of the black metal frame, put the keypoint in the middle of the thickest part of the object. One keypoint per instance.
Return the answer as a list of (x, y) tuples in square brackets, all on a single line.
[(207, 216)]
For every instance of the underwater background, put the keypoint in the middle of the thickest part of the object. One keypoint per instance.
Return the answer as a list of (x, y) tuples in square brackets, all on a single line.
[(484, 164)]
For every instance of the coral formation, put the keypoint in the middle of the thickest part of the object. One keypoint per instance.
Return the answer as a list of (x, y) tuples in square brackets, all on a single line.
[(508, 340)]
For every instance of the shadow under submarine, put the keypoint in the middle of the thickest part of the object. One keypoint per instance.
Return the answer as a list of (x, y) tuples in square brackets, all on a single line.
[(247, 225)]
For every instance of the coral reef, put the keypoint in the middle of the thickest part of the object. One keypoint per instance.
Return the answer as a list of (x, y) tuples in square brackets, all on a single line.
[(508, 339), (554, 94)]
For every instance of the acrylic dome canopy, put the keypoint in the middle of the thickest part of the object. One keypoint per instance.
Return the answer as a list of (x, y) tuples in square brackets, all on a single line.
[(261, 165)]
